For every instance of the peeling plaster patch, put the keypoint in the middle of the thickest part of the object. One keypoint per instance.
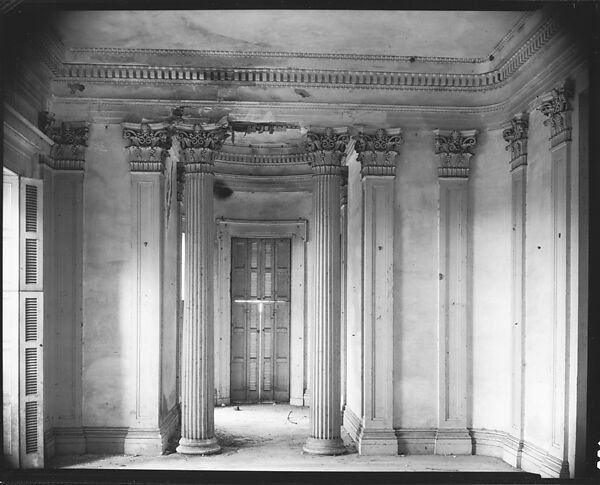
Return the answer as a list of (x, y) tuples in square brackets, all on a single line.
[(302, 92)]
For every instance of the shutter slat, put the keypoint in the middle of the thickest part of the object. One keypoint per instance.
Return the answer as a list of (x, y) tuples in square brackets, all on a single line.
[(31, 319), (31, 427), (31, 206), (31, 261)]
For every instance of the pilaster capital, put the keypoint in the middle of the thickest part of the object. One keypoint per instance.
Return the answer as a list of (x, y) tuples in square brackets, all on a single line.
[(198, 146), (515, 134), (70, 141), (555, 106), (377, 152), (148, 145), (328, 148), (455, 149)]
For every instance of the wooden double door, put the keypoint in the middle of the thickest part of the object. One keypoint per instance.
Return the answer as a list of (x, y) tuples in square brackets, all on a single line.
[(260, 320)]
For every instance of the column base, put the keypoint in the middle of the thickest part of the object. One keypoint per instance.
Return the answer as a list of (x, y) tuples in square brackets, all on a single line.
[(453, 441), (377, 442), (198, 447), (316, 446)]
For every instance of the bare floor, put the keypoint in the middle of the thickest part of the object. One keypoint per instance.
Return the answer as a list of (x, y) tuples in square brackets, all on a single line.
[(270, 437)]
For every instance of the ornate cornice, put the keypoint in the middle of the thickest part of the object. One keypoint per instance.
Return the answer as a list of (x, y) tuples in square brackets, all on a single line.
[(377, 153), (148, 145), (556, 108), (328, 148), (70, 141), (515, 134), (287, 77), (454, 149)]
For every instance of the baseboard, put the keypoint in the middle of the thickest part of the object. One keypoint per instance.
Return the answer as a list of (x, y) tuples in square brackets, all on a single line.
[(296, 401), (485, 442), (453, 441), (538, 460), (377, 442), (352, 423), (416, 441), (49, 444), (69, 441)]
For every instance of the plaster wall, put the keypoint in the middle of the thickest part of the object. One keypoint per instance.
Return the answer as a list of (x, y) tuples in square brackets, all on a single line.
[(171, 297), (489, 290), (108, 380), (538, 287), (354, 291), (416, 284)]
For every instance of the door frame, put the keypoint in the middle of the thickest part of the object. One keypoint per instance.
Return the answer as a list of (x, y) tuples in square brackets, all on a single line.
[(226, 229)]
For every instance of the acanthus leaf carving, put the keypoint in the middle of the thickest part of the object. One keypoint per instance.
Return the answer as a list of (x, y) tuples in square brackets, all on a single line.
[(328, 149), (377, 153), (148, 145), (455, 149), (70, 140), (515, 134), (556, 108)]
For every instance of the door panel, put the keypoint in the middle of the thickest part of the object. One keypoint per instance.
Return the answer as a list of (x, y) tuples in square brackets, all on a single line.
[(260, 288)]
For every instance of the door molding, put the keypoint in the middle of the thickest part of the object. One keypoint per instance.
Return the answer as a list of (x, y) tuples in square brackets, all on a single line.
[(297, 231)]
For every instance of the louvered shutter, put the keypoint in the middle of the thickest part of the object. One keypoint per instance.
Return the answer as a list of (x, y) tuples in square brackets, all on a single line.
[(31, 307)]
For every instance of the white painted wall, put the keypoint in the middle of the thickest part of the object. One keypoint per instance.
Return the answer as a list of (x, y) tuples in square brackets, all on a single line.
[(416, 283), (489, 262)]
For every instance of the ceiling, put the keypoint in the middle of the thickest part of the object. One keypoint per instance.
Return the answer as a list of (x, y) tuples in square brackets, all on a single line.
[(453, 34)]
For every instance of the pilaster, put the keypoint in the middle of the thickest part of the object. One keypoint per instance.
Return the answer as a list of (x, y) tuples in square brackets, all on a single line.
[(197, 353), (555, 106), (454, 149), (328, 149), (377, 154), (515, 134), (147, 150), (63, 174)]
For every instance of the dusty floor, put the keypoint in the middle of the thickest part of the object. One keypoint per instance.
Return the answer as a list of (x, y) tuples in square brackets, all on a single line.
[(270, 437)]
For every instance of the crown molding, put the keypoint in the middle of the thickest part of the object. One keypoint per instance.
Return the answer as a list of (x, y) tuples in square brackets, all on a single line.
[(328, 78)]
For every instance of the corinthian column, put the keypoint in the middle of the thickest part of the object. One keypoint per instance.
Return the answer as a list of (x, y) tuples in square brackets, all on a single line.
[(325, 417), (197, 356)]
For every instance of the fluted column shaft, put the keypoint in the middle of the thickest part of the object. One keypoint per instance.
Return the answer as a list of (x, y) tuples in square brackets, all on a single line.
[(197, 358), (325, 416)]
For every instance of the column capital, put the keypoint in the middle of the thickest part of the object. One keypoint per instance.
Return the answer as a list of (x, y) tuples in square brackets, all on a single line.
[(198, 146), (328, 148), (555, 106), (515, 134), (377, 152), (455, 149), (148, 145), (70, 141)]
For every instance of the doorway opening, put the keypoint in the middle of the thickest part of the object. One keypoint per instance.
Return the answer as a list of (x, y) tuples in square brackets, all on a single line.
[(260, 320)]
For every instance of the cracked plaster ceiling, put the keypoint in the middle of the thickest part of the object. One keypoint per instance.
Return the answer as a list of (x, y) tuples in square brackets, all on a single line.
[(399, 33)]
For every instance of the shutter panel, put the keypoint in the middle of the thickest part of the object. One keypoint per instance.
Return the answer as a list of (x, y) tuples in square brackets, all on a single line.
[(10, 319), (31, 310)]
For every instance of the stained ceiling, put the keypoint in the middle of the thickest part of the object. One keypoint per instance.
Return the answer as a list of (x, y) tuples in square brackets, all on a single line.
[(399, 33)]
